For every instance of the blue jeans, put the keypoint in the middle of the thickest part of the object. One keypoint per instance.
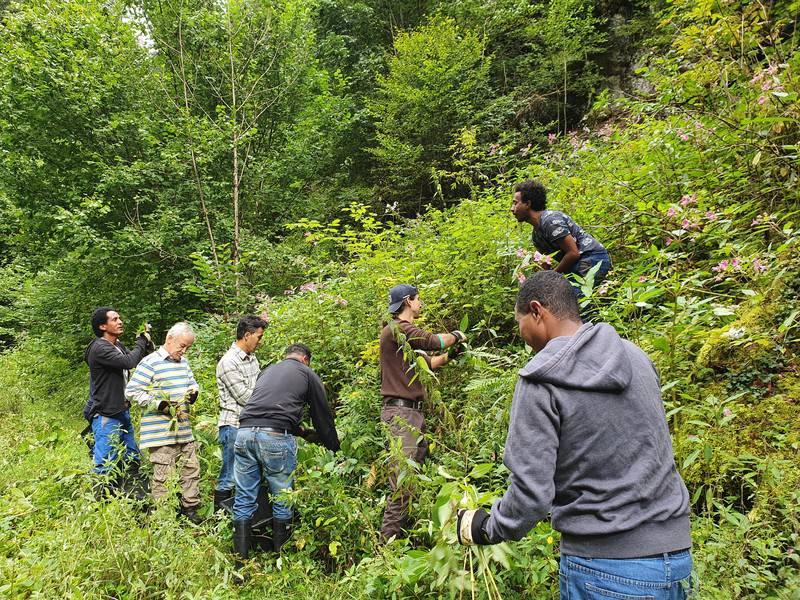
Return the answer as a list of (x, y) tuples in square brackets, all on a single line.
[(261, 453), (584, 265), (110, 434), (227, 439), (666, 577)]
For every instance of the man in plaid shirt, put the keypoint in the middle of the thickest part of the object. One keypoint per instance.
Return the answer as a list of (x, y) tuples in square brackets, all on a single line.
[(236, 377)]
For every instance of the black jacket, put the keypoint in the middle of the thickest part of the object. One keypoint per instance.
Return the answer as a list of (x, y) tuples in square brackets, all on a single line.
[(282, 391), (107, 366)]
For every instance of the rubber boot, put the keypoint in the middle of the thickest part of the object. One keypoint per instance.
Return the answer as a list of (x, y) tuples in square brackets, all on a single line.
[(219, 497), (281, 532), (190, 513), (241, 546), (135, 483), (261, 538)]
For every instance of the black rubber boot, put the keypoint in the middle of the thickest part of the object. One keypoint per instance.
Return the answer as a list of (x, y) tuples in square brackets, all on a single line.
[(135, 483), (281, 532), (241, 541), (261, 538), (219, 497), (190, 513)]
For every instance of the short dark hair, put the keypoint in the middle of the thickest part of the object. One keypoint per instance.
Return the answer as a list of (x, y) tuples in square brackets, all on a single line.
[(100, 317), (300, 349), (553, 291), (249, 324), (533, 193)]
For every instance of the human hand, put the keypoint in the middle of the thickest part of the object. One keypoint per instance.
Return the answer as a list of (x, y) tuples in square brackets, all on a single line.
[(453, 352), (460, 336), (469, 527)]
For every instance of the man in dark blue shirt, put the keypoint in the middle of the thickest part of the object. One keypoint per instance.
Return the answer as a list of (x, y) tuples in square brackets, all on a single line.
[(555, 233)]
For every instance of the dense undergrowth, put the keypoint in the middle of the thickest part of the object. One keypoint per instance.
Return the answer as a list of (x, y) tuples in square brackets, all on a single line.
[(692, 185)]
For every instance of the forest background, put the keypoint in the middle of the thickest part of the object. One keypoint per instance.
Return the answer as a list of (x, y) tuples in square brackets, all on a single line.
[(199, 159)]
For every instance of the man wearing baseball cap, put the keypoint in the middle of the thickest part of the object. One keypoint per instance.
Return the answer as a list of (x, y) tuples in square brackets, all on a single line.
[(403, 393)]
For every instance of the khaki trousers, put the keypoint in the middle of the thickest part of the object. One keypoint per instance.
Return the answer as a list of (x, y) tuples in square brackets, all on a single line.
[(165, 460), (408, 424)]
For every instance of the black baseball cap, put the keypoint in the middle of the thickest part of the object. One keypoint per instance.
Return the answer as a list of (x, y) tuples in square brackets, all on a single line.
[(398, 294)]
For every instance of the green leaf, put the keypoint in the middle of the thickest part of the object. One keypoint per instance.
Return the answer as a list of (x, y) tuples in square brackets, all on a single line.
[(480, 470)]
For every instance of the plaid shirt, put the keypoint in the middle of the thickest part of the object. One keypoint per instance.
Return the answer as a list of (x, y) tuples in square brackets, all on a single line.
[(236, 377)]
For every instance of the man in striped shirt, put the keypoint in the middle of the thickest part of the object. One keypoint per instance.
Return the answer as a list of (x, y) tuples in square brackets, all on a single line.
[(237, 372), (164, 386)]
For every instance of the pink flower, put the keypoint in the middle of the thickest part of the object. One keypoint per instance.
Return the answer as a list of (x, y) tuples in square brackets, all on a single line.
[(307, 234), (288, 292), (668, 241), (602, 290), (264, 316), (735, 263), (727, 412), (711, 215), (765, 87), (762, 100), (757, 77), (772, 70), (686, 224), (692, 438), (684, 136), (308, 287), (642, 278), (341, 302), (521, 277), (493, 149), (551, 138), (756, 221), (672, 211), (520, 253), (758, 266), (722, 266), (688, 199)]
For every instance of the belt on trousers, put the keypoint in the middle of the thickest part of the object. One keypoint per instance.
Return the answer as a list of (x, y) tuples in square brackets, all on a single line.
[(403, 403), (270, 430)]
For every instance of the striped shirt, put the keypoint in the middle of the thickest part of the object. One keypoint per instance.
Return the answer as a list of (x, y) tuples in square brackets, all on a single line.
[(237, 372), (156, 379)]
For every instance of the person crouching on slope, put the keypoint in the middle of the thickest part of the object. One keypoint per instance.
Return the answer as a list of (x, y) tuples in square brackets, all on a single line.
[(588, 442)]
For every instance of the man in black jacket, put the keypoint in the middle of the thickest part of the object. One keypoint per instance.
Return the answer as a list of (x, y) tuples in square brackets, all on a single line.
[(109, 362), (265, 441)]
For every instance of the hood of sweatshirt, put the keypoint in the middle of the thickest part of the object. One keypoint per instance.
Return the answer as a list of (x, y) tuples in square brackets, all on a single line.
[(594, 358), (89, 349)]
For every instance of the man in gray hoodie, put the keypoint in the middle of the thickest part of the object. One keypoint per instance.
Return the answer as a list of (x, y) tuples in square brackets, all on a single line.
[(588, 443)]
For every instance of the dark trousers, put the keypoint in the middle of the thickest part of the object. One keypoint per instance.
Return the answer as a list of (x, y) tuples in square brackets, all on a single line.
[(407, 424)]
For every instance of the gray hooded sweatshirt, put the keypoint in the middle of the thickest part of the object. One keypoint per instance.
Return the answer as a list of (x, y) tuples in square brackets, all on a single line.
[(588, 442)]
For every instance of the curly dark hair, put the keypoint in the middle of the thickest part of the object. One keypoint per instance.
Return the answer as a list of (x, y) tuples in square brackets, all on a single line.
[(533, 193)]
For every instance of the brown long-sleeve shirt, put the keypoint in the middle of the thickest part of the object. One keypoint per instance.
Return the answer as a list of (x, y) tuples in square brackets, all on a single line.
[(395, 373)]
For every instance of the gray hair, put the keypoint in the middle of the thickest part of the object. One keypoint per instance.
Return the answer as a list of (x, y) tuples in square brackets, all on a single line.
[(180, 329)]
